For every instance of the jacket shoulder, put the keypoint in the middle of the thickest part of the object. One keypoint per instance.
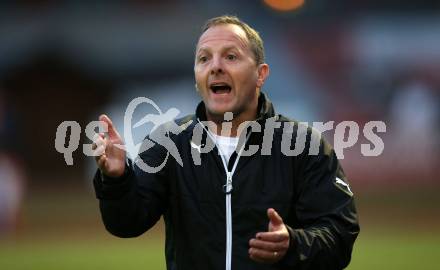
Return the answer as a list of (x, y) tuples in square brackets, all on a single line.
[(313, 137), (296, 123), (187, 122)]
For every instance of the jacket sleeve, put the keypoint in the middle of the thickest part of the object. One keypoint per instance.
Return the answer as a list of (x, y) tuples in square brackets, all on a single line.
[(134, 202), (323, 223)]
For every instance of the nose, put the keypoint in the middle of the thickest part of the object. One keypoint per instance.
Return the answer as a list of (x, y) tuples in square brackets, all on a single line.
[(216, 66)]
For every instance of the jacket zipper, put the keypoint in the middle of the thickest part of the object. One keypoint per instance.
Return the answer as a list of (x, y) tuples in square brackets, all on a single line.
[(227, 189)]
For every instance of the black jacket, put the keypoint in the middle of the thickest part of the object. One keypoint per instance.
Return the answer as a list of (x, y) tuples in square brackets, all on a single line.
[(306, 190)]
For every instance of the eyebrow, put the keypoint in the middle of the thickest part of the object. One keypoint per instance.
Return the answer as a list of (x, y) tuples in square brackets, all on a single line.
[(227, 48)]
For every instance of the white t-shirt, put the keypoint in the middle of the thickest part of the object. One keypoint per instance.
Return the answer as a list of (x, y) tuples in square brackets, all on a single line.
[(226, 145)]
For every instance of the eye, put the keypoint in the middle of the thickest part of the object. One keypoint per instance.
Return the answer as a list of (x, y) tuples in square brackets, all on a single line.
[(202, 59), (231, 57)]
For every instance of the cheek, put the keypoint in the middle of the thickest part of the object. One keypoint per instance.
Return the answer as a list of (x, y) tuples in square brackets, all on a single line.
[(198, 77), (247, 80)]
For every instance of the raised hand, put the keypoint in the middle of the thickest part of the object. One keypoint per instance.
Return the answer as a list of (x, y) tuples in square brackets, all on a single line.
[(110, 152), (270, 246)]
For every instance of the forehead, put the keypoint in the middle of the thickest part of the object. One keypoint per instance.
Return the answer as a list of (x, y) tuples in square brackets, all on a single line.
[(223, 35)]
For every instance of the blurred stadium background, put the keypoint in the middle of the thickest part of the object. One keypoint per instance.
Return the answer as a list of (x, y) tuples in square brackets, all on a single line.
[(330, 60)]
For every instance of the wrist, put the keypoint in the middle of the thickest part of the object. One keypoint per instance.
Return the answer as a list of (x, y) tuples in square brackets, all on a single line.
[(118, 177)]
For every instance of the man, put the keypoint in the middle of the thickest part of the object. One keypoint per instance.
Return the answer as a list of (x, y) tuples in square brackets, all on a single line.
[(232, 211)]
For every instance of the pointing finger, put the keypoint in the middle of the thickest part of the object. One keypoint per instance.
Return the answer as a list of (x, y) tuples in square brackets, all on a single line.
[(112, 132)]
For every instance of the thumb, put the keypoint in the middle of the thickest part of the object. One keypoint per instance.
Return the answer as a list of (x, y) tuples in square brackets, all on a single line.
[(274, 218), (112, 132)]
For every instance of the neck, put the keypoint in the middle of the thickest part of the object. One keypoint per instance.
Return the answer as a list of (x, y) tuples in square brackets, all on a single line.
[(230, 128)]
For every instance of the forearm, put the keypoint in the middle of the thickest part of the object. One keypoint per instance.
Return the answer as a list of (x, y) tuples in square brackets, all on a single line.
[(125, 212), (325, 244)]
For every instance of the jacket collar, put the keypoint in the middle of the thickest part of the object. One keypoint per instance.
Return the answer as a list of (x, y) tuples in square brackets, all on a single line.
[(265, 109)]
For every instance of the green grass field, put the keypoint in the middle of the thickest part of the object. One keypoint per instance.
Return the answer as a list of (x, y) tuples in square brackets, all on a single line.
[(372, 251), (65, 232)]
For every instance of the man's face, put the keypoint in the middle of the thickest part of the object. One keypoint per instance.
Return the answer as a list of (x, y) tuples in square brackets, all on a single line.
[(226, 73)]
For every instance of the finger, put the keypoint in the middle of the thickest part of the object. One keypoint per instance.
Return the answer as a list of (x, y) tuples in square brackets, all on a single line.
[(274, 217), (101, 161), (273, 236), (99, 143), (102, 135), (112, 132), (263, 255), (99, 151), (268, 245), (95, 144), (98, 137)]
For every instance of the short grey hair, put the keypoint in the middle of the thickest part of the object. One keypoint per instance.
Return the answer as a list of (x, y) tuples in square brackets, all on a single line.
[(252, 35)]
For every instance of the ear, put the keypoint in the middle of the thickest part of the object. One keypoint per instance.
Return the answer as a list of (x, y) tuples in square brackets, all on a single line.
[(263, 72)]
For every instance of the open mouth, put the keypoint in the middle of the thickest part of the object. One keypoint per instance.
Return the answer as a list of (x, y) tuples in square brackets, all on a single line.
[(220, 88)]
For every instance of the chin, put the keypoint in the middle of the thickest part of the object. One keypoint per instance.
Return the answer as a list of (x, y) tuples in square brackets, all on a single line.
[(219, 111)]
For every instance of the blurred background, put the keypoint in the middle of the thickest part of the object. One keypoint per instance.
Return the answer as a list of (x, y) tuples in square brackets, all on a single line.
[(334, 60)]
